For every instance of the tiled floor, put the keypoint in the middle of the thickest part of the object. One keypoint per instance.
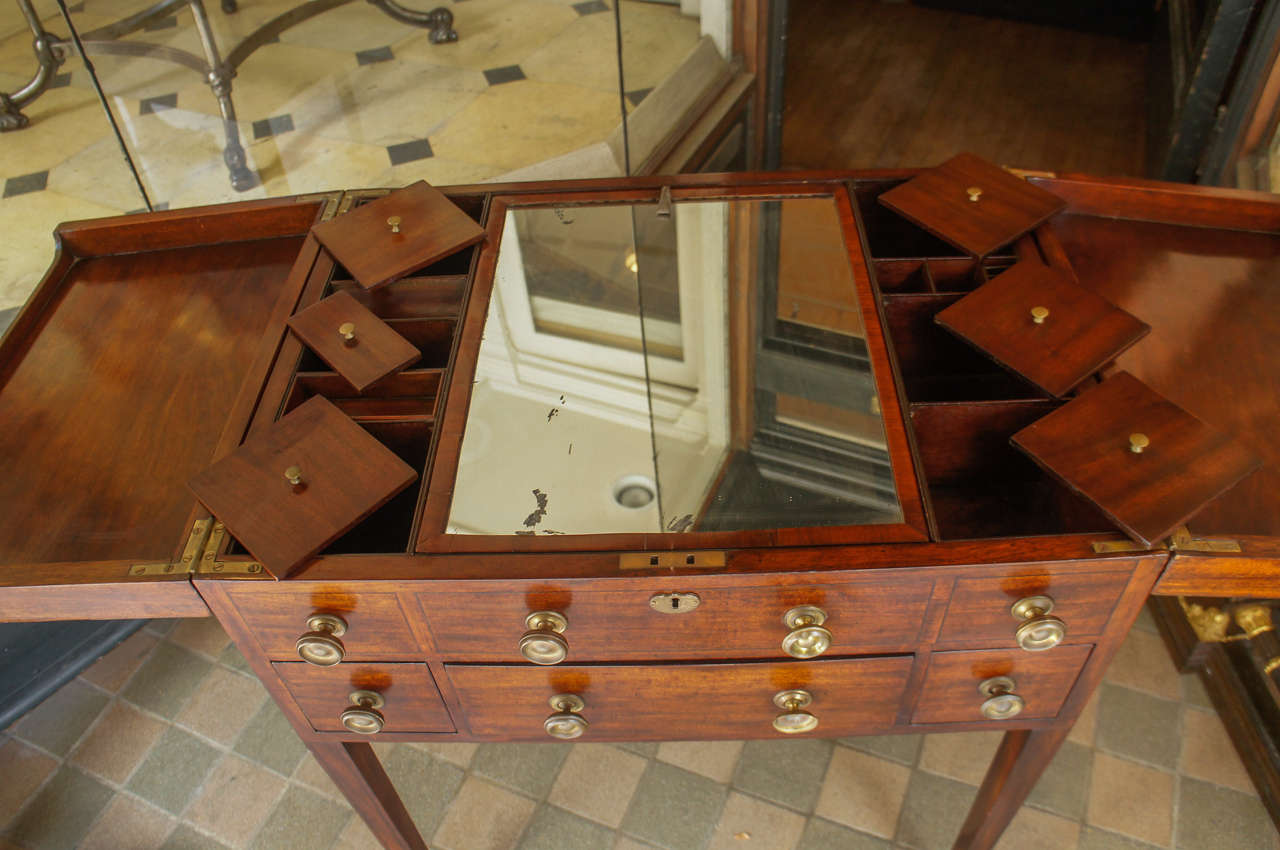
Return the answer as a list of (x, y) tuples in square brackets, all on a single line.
[(169, 742)]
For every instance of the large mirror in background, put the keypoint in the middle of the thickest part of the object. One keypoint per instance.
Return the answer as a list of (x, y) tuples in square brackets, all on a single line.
[(634, 377)]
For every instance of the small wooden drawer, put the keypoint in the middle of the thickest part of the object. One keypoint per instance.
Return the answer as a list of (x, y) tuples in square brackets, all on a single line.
[(980, 611), (863, 616), (410, 700), (951, 686), (682, 701), (376, 626)]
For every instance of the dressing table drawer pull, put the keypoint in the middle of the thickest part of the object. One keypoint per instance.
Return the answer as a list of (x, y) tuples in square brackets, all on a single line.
[(544, 642), (1037, 631), (1001, 702), (794, 719), (567, 722), (363, 717), (807, 638), (319, 645)]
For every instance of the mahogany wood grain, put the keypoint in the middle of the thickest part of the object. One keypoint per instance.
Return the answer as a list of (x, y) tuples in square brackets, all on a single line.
[(346, 475), (412, 383), (1081, 333), (375, 352), (1042, 679), (413, 702), (741, 620), (96, 592), (978, 612), (1253, 571), (378, 628), (356, 771), (958, 440), (411, 297), (430, 227), (938, 200), (681, 701), (1180, 204), (1086, 444)]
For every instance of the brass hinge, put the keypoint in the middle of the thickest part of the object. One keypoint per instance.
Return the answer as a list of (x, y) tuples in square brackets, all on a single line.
[(187, 562), (210, 565), (1181, 541)]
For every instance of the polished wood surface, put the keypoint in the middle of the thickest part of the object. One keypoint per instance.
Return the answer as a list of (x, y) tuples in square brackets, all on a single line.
[(377, 625), (374, 351), (1042, 679), (413, 702), (1087, 445), (1250, 572)]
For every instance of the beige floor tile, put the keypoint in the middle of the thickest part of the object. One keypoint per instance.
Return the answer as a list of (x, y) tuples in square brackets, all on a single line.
[(1143, 663), (118, 743), (351, 28), (270, 80), (311, 774), (1034, 828), (483, 817), (222, 705), (236, 799), (713, 759), (625, 843), (201, 634), (960, 755), (24, 769), (297, 162), (1207, 751), (1086, 725), (63, 122), (597, 782), (863, 792), (1131, 799), (459, 754), (491, 34), (437, 171), (357, 836), (748, 823), (112, 670), (128, 823)]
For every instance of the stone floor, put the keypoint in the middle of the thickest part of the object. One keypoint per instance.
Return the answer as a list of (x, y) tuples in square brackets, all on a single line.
[(169, 742)]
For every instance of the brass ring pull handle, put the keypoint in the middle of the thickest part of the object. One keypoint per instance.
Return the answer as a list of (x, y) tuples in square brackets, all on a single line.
[(319, 645), (544, 642), (794, 719), (806, 638), (347, 330), (394, 222), (363, 717), (1001, 702), (1037, 630), (567, 722)]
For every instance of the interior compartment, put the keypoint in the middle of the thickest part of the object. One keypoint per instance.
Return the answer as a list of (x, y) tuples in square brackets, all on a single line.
[(457, 263), (410, 297), (409, 396), (902, 276), (935, 365), (432, 337), (980, 485)]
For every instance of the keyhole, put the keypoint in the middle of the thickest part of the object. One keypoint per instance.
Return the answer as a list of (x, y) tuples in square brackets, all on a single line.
[(675, 603)]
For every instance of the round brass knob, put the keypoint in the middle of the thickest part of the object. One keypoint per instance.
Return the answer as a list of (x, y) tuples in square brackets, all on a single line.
[(1037, 631), (807, 638), (319, 645), (394, 221), (347, 330), (1138, 442), (794, 719), (567, 722), (363, 717), (544, 643), (293, 475), (1039, 314), (974, 193), (1001, 702)]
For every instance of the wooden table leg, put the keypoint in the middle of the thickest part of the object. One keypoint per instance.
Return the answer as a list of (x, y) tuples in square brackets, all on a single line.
[(1022, 757), (356, 771)]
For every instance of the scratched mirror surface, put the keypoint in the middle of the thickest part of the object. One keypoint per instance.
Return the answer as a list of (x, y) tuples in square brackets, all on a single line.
[(635, 375)]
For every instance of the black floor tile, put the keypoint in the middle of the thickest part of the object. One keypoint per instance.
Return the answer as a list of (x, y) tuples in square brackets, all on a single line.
[(505, 74), (273, 126), (409, 151), (375, 54), (24, 183), (148, 105)]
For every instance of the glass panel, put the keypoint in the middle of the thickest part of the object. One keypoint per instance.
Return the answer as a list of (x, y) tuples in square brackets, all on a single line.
[(720, 395)]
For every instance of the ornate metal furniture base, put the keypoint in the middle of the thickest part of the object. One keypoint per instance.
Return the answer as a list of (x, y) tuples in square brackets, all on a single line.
[(51, 52)]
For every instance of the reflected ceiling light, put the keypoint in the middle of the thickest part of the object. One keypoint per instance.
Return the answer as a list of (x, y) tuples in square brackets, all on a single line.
[(630, 262), (634, 491)]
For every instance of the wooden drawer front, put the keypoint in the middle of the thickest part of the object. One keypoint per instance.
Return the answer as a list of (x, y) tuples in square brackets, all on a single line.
[(613, 625), (377, 628), (682, 701), (412, 700), (979, 609), (1042, 679)]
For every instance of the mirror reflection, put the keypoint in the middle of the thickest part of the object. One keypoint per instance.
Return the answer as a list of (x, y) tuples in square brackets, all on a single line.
[(636, 375)]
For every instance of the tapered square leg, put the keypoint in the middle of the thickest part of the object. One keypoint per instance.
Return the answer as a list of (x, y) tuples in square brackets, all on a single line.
[(356, 771)]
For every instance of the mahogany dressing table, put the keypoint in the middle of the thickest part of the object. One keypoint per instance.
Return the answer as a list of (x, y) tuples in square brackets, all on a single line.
[(696, 457)]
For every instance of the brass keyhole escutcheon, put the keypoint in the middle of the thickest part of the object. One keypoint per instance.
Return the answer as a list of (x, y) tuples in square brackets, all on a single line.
[(293, 475), (363, 717), (567, 722), (1001, 702), (319, 645), (794, 719), (974, 193), (674, 603), (1039, 314), (394, 222), (347, 330), (806, 638), (544, 642), (1138, 443), (1037, 631)]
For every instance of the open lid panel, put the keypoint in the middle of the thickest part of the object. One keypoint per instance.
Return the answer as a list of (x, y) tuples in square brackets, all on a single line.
[(350, 338), (387, 239)]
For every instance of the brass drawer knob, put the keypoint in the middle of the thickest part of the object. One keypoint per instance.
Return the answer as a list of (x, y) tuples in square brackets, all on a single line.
[(347, 330), (319, 645), (1039, 314), (1037, 631), (1138, 443), (567, 722), (293, 475), (394, 223), (974, 193), (794, 719), (1001, 702), (807, 638), (544, 642), (363, 717)]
